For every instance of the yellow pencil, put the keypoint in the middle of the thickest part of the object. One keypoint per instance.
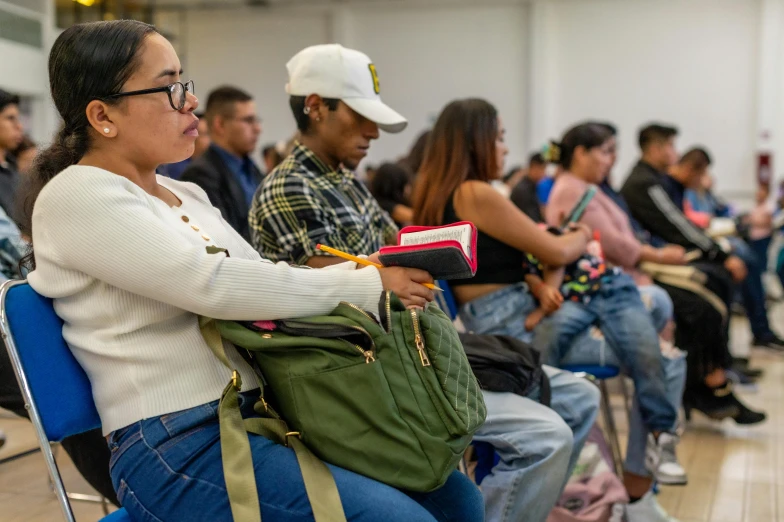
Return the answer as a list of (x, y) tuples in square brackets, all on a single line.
[(362, 261)]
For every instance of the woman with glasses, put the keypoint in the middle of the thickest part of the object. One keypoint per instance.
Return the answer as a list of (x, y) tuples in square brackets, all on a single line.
[(125, 256)]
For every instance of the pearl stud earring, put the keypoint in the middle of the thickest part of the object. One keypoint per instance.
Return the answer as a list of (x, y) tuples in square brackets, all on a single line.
[(106, 130)]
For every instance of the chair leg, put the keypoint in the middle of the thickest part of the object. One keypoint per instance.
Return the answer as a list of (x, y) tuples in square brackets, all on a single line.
[(80, 497), (612, 432), (627, 398)]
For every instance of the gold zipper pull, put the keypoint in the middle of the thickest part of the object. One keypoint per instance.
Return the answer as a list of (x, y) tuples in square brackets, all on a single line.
[(369, 358), (421, 349)]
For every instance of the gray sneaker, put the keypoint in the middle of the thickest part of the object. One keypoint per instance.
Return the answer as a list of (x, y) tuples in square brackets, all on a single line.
[(662, 461)]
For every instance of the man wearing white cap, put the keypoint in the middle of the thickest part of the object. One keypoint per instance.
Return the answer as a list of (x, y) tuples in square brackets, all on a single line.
[(313, 196)]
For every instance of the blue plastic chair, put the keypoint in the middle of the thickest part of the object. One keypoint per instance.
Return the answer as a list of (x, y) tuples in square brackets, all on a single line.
[(55, 388), (446, 300)]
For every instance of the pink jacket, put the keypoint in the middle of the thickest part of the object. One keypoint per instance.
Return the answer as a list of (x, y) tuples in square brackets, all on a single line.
[(620, 245)]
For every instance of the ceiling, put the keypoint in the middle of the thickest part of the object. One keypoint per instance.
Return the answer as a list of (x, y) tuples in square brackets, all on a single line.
[(196, 4)]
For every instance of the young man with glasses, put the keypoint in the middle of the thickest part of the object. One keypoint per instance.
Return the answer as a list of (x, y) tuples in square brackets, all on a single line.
[(225, 170), (11, 135)]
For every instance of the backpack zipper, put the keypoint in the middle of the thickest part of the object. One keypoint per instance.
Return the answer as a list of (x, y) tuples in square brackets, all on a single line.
[(369, 358), (389, 312), (420, 343), (358, 309)]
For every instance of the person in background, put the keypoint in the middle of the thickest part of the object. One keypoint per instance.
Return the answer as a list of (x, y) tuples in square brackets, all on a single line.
[(271, 157), (760, 226), (175, 170), (513, 176), (524, 194), (391, 186), (692, 167), (702, 199), (370, 174), (11, 135), (225, 171), (537, 446), (601, 293), (314, 196), (24, 155), (701, 329), (417, 153)]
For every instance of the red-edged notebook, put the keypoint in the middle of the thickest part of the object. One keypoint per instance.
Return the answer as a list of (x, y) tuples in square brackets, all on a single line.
[(446, 252)]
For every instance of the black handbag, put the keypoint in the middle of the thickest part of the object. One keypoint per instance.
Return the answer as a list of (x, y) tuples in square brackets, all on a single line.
[(506, 364)]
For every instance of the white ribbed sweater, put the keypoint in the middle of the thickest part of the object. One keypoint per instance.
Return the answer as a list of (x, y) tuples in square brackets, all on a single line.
[(130, 275)]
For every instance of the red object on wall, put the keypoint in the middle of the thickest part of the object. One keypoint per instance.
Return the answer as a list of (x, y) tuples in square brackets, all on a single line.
[(764, 168)]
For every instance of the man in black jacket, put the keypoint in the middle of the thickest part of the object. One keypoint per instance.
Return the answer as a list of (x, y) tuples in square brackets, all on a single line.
[(225, 170), (656, 200), (654, 192), (524, 194)]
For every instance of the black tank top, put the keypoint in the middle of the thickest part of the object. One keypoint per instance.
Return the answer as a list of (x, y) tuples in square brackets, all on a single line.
[(498, 263)]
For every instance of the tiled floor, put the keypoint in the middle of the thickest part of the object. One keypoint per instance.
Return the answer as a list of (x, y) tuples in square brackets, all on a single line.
[(735, 474)]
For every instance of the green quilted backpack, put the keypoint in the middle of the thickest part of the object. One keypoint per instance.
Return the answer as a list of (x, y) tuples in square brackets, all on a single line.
[(394, 400)]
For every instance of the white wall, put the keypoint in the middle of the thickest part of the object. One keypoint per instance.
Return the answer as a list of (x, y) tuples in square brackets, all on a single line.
[(23, 69), (425, 57), (429, 56), (250, 50), (546, 64), (693, 64)]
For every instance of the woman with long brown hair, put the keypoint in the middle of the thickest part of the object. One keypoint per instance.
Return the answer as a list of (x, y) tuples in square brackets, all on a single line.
[(466, 151)]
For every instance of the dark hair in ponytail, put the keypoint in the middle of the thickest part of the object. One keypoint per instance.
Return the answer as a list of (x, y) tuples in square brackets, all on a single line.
[(88, 61), (586, 135)]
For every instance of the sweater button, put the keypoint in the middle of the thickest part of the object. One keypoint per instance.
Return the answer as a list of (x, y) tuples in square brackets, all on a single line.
[(186, 218)]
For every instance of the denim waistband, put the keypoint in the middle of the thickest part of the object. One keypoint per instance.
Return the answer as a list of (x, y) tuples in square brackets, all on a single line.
[(499, 295), (164, 427)]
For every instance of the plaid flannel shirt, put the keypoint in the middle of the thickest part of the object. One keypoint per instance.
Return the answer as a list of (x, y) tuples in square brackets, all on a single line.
[(303, 203)]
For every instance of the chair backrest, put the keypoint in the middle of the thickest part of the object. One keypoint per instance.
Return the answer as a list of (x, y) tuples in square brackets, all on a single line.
[(52, 381), (446, 301)]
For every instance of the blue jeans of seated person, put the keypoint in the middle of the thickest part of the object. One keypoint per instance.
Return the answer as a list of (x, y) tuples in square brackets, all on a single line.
[(169, 468), (588, 352), (538, 446), (619, 312), (752, 290)]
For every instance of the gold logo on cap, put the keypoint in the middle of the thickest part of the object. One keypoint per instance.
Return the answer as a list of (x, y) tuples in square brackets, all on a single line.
[(374, 74)]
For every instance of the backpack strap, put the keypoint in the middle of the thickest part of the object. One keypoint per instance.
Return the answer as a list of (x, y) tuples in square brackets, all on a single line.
[(237, 457)]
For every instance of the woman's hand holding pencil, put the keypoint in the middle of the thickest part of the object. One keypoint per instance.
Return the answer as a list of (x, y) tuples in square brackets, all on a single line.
[(411, 285)]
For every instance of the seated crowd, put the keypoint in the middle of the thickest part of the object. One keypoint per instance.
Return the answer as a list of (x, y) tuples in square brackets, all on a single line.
[(113, 218)]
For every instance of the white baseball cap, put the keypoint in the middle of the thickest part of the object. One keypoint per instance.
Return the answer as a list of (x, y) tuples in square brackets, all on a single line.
[(332, 71)]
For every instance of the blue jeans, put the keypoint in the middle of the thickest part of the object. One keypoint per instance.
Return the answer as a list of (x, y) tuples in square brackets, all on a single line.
[(538, 446), (169, 468), (658, 303), (752, 290), (619, 312), (593, 351)]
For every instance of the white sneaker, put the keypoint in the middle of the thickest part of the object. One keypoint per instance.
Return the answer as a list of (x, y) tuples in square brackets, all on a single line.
[(647, 509), (662, 461)]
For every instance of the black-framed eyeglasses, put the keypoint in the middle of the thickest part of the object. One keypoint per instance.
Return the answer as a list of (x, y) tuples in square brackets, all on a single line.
[(177, 92)]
